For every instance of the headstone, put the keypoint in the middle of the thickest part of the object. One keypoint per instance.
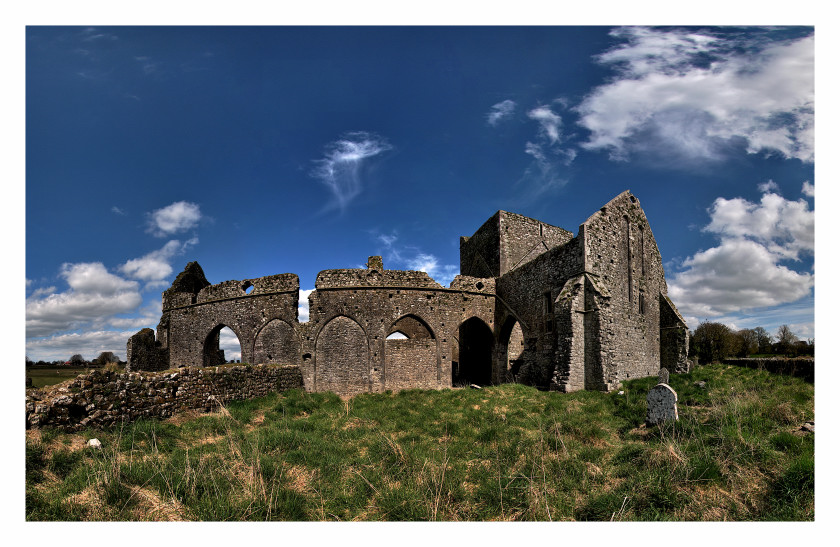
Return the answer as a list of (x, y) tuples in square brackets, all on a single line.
[(664, 376), (661, 405)]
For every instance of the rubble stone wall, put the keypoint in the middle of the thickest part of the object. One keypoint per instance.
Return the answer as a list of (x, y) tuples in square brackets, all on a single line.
[(102, 398)]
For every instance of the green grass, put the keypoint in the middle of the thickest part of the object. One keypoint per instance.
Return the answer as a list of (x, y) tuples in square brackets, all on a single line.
[(50, 376), (502, 453)]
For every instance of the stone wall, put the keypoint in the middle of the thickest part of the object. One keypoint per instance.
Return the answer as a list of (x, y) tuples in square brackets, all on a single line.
[(102, 398), (799, 367)]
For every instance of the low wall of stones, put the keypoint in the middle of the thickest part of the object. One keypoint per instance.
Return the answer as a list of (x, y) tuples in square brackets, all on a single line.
[(103, 398), (801, 368)]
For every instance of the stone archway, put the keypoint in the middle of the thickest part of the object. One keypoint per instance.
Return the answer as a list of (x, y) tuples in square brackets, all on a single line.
[(276, 343), (475, 354), (211, 354), (412, 361), (342, 358)]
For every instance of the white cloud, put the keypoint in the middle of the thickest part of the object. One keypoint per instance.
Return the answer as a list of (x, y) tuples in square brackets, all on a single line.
[(500, 111), (303, 305), (808, 189), (94, 294), (545, 173), (229, 342), (88, 344), (117, 210), (784, 227), (408, 257), (768, 186), (694, 94), (177, 217), (340, 168), (550, 123), (154, 267), (745, 271)]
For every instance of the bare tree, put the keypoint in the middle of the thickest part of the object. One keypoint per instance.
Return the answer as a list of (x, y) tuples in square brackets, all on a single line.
[(77, 360)]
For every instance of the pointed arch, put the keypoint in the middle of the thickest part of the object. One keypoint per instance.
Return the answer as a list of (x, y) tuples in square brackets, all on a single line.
[(512, 345), (276, 343), (411, 362), (475, 353), (342, 357), (211, 354)]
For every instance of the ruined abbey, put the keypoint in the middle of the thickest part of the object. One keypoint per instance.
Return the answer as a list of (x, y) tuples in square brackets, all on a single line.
[(534, 304)]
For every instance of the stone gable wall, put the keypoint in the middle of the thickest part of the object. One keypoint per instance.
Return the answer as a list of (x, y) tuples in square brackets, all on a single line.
[(102, 398)]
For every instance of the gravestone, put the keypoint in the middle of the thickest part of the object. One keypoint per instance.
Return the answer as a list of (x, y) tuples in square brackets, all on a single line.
[(664, 376), (661, 405)]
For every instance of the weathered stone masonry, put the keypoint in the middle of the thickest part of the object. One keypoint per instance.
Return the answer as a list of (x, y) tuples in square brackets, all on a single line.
[(534, 304), (102, 398)]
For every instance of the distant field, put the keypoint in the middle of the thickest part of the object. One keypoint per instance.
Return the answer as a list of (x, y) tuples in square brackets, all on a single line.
[(49, 376), (506, 452)]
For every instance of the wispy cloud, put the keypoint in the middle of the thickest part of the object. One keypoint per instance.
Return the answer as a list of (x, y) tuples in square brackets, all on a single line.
[(747, 269), (340, 168), (397, 256), (117, 210), (545, 174), (695, 94), (177, 217), (500, 111)]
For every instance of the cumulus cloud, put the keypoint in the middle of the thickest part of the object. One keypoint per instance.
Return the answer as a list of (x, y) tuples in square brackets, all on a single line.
[(808, 189), (745, 270), (155, 266), (177, 217), (785, 228), (229, 342), (695, 94), (88, 344), (500, 111), (339, 170), (94, 293)]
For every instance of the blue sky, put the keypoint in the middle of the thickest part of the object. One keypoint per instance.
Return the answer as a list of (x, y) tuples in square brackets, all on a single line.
[(265, 150)]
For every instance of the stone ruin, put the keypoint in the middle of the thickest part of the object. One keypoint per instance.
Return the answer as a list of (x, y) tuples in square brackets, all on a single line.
[(534, 304)]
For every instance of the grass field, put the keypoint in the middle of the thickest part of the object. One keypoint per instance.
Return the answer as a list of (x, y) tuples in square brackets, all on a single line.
[(508, 452), (48, 376)]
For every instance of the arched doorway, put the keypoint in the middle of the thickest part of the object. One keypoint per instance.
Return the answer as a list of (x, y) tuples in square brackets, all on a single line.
[(513, 341), (220, 346), (475, 354)]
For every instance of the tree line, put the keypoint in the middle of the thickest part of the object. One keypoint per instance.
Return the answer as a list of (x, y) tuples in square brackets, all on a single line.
[(711, 342), (77, 360)]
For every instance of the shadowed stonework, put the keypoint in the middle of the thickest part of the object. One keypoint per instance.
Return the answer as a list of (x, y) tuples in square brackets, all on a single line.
[(534, 304)]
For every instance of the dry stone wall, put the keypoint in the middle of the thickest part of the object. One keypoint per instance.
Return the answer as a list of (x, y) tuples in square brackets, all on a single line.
[(102, 398)]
